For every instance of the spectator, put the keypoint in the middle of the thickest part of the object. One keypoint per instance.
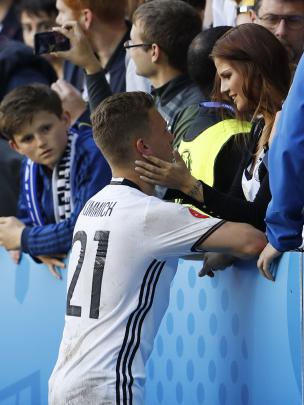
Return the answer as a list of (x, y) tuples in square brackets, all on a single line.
[(161, 56), (19, 66), (244, 11), (62, 168), (106, 30), (284, 217), (38, 16), (285, 19), (135, 82), (9, 24), (223, 12), (199, 5), (129, 262), (252, 72), (173, 90), (213, 146), (163, 60)]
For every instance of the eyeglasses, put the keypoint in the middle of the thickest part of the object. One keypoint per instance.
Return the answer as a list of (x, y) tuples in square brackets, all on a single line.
[(128, 44), (293, 22)]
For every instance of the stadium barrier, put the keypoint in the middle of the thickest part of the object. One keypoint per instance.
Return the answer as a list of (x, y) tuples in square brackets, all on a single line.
[(235, 339)]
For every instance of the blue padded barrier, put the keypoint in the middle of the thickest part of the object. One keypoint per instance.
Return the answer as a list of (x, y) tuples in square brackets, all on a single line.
[(232, 340)]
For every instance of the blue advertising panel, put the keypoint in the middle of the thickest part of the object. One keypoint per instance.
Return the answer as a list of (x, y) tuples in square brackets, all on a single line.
[(232, 340)]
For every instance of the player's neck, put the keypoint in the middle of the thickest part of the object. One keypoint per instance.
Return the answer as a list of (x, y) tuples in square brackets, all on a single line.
[(134, 177)]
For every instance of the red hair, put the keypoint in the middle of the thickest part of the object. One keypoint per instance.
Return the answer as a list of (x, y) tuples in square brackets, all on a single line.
[(105, 10)]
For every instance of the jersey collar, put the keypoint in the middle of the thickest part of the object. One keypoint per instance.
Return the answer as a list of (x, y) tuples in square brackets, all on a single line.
[(124, 182)]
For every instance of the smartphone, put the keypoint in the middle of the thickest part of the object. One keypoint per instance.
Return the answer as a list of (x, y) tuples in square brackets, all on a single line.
[(51, 41)]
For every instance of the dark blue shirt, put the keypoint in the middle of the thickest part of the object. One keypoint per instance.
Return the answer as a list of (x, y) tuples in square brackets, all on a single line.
[(89, 174)]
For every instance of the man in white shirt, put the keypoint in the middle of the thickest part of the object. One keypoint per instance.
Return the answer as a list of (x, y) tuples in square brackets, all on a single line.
[(125, 252)]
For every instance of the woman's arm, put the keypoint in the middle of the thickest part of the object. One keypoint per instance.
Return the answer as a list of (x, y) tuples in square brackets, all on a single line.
[(232, 207)]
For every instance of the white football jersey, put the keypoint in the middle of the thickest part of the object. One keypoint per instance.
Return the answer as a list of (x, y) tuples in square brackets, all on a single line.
[(125, 251)]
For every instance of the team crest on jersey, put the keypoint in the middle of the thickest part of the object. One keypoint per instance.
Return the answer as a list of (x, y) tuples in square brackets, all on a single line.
[(197, 214)]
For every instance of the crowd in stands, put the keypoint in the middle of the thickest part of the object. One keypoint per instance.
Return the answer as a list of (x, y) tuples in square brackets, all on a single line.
[(219, 90), (218, 72)]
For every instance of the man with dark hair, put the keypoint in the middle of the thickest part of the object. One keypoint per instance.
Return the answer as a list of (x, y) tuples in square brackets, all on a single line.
[(161, 56), (36, 16), (39, 16), (199, 5), (125, 252), (201, 67), (285, 19)]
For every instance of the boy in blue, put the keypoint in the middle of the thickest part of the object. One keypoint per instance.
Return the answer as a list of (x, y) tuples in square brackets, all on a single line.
[(61, 170)]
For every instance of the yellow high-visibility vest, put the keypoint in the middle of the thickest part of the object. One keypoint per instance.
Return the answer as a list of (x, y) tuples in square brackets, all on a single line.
[(201, 152)]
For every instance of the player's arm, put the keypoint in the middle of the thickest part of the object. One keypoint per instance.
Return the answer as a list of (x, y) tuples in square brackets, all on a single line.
[(237, 239)]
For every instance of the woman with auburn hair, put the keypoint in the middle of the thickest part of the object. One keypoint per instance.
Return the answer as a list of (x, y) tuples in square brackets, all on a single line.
[(252, 73)]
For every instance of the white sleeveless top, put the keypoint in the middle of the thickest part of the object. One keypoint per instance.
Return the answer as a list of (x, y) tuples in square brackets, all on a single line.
[(251, 182)]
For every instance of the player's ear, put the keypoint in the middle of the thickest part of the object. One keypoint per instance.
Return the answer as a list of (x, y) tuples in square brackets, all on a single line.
[(13, 145), (86, 18), (142, 147), (67, 119), (252, 15)]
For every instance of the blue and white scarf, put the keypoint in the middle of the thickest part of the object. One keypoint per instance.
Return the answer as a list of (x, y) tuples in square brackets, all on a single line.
[(61, 185)]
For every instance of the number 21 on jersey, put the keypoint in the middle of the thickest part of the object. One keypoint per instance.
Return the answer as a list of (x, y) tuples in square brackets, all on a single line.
[(102, 239)]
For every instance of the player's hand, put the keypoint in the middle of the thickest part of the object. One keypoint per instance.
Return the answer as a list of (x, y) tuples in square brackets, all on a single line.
[(10, 232), (214, 262), (72, 101), (81, 52), (52, 262), (266, 258), (15, 255), (170, 174)]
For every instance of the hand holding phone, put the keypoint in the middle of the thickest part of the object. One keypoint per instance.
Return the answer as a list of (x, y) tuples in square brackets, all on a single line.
[(51, 41), (81, 53)]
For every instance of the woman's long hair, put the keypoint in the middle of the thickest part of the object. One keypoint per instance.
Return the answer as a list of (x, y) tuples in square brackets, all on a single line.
[(263, 62)]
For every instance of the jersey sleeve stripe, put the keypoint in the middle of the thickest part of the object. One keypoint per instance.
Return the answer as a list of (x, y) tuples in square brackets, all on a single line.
[(206, 236)]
